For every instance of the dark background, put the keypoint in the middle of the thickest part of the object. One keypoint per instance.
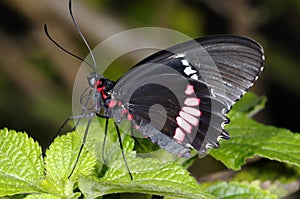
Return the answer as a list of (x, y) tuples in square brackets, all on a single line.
[(36, 78)]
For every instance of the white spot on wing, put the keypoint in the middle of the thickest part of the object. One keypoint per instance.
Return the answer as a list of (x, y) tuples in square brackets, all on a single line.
[(189, 70), (188, 145), (189, 118), (179, 55), (184, 125), (195, 77), (179, 135), (185, 62), (192, 111), (189, 89), (192, 101)]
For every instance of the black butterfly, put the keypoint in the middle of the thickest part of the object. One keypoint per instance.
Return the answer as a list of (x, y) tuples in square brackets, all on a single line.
[(178, 97)]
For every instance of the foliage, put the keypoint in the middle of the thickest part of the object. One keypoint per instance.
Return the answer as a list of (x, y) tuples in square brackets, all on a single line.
[(22, 165)]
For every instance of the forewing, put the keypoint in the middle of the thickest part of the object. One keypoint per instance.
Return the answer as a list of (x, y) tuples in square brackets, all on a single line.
[(227, 64)]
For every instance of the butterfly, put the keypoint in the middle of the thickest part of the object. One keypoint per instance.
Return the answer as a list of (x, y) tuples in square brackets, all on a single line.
[(178, 97)]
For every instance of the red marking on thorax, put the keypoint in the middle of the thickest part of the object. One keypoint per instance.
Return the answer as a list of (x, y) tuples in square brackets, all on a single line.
[(104, 96), (99, 88)]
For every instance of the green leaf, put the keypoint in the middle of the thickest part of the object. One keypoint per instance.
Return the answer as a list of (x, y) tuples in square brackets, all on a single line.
[(235, 190), (62, 155), (21, 163), (150, 176), (277, 178), (59, 162), (18, 196), (49, 196), (268, 171), (42, 196), (249, 138), (250, 104)]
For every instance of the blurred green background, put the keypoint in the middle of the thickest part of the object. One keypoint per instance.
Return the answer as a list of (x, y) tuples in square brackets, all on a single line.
[(36, 78)]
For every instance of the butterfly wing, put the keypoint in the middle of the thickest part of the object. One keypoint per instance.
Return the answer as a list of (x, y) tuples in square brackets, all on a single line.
[(178, 97)]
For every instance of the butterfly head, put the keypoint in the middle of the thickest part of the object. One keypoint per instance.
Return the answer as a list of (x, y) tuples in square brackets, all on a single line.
[(99, 83), (101, 89)]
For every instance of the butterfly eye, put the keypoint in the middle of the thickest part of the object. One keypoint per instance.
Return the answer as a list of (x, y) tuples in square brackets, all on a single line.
[(94, 80), (91, 81)]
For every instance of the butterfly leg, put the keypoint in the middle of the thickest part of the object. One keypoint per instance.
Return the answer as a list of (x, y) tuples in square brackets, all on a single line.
[(104, 139), (79, 117), (90, 116), (122, 150)]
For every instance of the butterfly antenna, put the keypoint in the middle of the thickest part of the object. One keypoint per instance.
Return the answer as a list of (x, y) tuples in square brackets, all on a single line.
[(82, 37), (63, 49)]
